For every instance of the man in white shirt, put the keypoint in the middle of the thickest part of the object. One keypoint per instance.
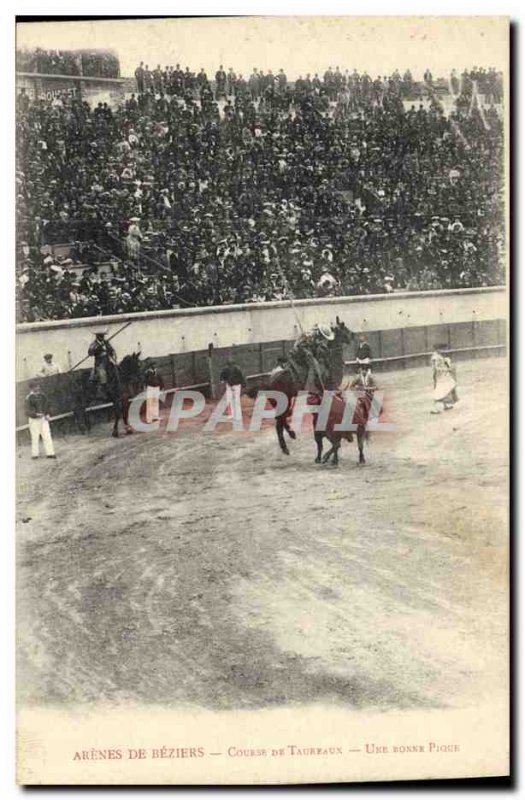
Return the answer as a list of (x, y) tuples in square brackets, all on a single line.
[(48, 367)]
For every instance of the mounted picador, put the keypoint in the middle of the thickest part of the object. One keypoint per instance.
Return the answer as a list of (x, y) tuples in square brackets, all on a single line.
[(315, 363), (116, 383), (105, 359), (309, 358)]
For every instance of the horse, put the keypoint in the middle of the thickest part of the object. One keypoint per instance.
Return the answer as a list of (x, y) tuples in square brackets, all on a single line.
[(124, 381), (360, 418), (128, 383), (287, 382)]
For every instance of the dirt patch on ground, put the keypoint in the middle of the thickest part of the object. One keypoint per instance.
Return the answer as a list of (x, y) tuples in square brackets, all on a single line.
[(212, 570)]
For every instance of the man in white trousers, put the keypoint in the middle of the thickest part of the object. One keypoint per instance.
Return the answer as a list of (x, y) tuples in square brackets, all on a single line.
[(234, 380), (37, 411), (154, 384)]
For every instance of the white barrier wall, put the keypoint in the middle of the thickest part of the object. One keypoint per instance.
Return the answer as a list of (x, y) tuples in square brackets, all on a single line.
[(159, 333)]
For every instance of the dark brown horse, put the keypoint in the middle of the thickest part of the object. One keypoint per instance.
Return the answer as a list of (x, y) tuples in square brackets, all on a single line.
[(124, 381), (288, 383), (126, 384), (335, 437)]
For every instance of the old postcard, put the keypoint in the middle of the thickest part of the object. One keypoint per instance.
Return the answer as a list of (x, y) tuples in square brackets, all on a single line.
[(262, 400)]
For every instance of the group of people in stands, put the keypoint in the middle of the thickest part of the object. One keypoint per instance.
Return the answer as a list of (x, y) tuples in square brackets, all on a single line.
[(325, 185), (487, 82), (90, 63), (177, 81)]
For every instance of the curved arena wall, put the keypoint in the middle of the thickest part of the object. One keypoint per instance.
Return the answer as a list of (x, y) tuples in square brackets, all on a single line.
[(422, 315)]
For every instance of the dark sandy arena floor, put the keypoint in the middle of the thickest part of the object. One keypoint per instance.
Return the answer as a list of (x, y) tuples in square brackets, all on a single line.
[(211, 570)]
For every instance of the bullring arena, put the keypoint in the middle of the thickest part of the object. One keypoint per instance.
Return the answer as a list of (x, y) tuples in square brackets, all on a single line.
[(211, 570), (321, 207)]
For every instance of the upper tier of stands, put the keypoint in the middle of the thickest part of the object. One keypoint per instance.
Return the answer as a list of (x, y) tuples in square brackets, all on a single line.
[(198, 191)]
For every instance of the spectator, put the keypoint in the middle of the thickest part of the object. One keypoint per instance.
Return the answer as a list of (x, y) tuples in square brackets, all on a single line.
[(139, 77), (99, 63), (220, 83)]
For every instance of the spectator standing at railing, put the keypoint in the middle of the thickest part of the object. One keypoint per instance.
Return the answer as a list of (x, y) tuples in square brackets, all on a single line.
[(230, 81), (177, 81), (148, 79), (157, 79), (201, 79), (241, 87), (220, 83), (139, 77), (189, 81), (23, 101), (254, 84)]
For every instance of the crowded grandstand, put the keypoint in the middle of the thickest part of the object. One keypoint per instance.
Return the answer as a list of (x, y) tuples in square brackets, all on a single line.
[(88, 63), (201, 190)]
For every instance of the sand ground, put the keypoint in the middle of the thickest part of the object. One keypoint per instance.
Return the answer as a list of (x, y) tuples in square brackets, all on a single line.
[(211, 570)]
